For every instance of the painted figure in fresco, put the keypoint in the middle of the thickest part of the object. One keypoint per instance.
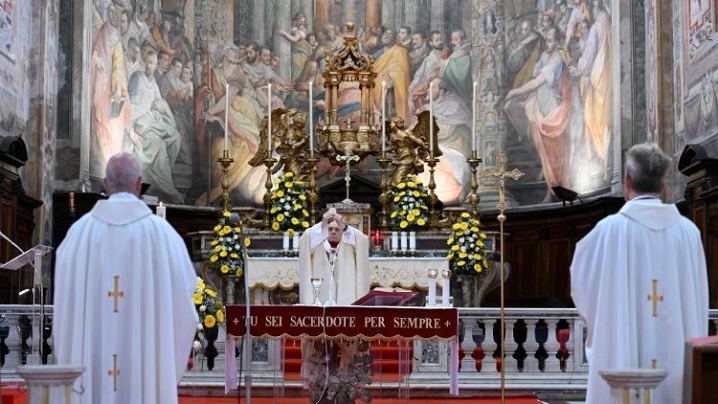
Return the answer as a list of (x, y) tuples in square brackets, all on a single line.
[(419, 51), (153, 132), (245, 183), (428, 71), (301, 49), (393, 68), (108, 75), (524, 51), (594, 68), (546, 104)]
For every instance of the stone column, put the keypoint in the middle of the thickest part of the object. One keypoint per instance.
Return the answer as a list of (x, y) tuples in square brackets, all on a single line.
[(373, 13), (321, 13), (281, 45), (259, 21)]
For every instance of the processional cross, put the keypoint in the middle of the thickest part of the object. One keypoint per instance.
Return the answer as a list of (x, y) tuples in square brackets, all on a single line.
[(501, 173), (117, 293)]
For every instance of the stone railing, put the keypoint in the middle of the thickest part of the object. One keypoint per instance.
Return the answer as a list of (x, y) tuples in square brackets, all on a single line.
[(543, 352)]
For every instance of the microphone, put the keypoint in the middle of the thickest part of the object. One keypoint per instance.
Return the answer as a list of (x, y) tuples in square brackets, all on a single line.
[(332, 262)]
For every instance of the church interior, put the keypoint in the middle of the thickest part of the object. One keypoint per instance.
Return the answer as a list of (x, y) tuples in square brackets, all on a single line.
[(515, 114)]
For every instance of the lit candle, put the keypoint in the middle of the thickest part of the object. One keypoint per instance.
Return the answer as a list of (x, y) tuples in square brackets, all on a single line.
[(269, 118), (311, 117), (473, 119), (161, 211), (383, 117), (445, 278), (226, 117), (431, 119)]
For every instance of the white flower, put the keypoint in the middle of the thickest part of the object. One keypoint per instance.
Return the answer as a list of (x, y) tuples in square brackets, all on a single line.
[(196, 346)]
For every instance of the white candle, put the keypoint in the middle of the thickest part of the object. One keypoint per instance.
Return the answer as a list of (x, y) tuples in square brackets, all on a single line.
[(226, 117), (473, 118), (431, 119), (431, 299), (383, 117), (311, 117), (161, 211), (269, 118), (445, 288)]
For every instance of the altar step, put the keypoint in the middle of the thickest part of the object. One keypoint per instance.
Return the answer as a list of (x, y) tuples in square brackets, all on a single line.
[(387, 363)]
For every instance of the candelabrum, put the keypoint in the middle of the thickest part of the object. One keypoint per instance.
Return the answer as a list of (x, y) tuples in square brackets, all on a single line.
[(474, 197), (311, 164), (269, 163), (384, 196), (434, 221), (225, 161)]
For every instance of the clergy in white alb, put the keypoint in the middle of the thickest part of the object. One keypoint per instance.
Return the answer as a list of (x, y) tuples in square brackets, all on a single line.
[(639, 282), (123, 298)]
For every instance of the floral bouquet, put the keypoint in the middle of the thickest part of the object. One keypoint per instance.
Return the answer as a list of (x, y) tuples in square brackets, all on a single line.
[(410, 202), (227, 246), (288, 205), (466, 246), (210, 311)]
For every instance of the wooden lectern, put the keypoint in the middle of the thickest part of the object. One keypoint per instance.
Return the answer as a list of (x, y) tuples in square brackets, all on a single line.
[(701, 370)]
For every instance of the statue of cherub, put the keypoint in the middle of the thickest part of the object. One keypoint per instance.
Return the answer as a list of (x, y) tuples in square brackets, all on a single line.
[(289, 140), (411, 147)]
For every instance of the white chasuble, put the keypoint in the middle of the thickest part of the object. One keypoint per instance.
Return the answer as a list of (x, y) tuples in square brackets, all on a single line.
[(639, 282), (123, 304)]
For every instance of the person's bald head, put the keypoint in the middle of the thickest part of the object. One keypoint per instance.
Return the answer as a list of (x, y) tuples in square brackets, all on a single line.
[(123, 174)]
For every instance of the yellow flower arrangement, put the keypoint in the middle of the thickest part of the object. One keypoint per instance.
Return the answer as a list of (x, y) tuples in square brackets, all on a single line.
[(410, 205), (466, 246), (208, 304), (288, 205), (228, 247)]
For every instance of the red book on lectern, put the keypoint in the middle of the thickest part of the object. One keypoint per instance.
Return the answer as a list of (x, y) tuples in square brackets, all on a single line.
[(385, 297)]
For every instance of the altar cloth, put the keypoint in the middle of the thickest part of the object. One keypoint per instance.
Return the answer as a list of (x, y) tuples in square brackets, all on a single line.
[(375, 322)]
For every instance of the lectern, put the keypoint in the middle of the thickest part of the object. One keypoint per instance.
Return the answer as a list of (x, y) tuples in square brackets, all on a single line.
[(27, 257)]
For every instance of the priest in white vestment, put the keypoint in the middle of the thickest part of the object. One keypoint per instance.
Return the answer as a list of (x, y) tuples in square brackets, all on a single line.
[(639, 282), (337, 254), (123, 297)]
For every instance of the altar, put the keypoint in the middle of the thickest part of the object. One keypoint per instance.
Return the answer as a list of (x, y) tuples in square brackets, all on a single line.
[(267, 274)]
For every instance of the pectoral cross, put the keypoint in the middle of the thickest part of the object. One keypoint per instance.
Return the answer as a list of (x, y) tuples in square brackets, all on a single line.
[(117, 293), (655, 298), (114, 372)]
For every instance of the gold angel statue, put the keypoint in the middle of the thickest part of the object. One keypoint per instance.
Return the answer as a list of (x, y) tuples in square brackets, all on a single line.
[(411, 147), (289, 139)]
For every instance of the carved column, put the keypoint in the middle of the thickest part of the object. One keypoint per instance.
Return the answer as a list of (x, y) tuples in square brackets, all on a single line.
[(321, 13), (281, 45), (373, 13)]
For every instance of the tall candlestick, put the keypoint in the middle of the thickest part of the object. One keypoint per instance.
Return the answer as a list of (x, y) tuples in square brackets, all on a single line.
[(431, 119), (473, 118), (383, 117), (269, 118), (226, 117), (161, 211), (311, 117)]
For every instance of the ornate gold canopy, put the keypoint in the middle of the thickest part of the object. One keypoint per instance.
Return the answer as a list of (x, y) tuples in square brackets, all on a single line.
[(348, 70)]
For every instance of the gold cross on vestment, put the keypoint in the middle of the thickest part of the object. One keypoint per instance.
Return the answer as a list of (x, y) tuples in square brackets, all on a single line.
[(116, 294), (501, 173), (655, 298), (114, 372)]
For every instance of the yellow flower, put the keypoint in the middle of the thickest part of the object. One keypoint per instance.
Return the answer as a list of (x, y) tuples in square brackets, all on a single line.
[(397, 198), (302, 197), (477, 267), (223, 253), (224, 268), (218, 248), (200, 283), (410, 217), (464, 226), (461, 263), (197, 298), (416, 194), (226, 213), (295, 221), (477, 257), (463, 255), (214, 242), (393, 214), (465, 215), (456, 226), (415, 212), (297, 206), (450, 241), (275, 226), (290, 232), (280, 217), (226, 229), (288, 184), (403, 224), (411, 184), (239, 272), (305, 224), (211, 293), (213, 258), (234, 255), (401, 185), (273, 210), (450, 256), (474, 229), (280, 193), (247, 241), (288, 174), (455, 247), (218, 227), (421, 222), (220, 316), (210, 321)]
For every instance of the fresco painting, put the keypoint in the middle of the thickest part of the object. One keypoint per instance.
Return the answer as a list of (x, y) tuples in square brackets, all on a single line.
[(172, 87)]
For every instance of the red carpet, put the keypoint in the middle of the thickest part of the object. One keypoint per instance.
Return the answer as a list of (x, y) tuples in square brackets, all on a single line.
[(305, 400)]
